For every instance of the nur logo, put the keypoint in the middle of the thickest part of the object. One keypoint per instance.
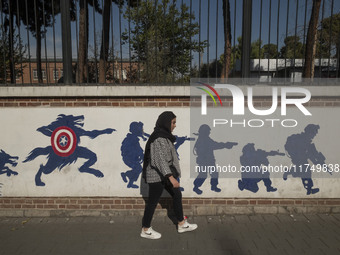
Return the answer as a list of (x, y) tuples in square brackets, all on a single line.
[(204, 96), (239, 99)]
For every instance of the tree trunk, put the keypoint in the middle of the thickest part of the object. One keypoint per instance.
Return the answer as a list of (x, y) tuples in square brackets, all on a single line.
[(104, 49), (83, 42), (311, 40), (227, 39)]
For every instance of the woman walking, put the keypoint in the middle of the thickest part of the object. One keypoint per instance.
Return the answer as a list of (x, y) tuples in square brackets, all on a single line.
[(160, 170)]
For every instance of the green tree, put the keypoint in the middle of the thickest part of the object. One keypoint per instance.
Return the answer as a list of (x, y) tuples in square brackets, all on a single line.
[(36, 15), (235, 54), (256, 50), (329, 37), (236, 51), (270, 51), (266, 51), (10, 51), (293, 48), (161, 39), (322, 45), (215, 69), (93, 75)]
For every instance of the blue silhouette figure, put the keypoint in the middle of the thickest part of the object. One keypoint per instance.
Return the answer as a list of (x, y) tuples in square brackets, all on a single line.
[(179, 141), (6, 159), (65, 135), (300, 149), (204, 150), (133, 154), (252, 161)]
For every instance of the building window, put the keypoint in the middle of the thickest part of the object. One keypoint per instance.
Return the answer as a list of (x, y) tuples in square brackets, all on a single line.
[(55, 74), (35, 74)]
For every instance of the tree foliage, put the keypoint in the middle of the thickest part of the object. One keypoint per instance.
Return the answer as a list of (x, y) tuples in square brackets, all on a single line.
[(214, 69), (37, 16), (161, 40), (17, 55), (270, 51), (329, 37), (293, 48)]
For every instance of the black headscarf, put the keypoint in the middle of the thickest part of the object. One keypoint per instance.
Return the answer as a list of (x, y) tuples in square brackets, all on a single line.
[(162, 129)]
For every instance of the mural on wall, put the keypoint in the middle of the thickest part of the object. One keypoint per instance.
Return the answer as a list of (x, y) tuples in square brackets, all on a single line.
[(204, 151), (300, 149), (5, 160), (256, 159), (133, 154), (67, 144), (64, 150)]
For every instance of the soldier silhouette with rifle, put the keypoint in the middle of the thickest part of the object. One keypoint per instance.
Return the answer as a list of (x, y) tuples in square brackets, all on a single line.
[(301, 150), (252, 161)]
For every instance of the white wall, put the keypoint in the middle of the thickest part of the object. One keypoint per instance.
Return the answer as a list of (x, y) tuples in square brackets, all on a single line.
[(19, 136)]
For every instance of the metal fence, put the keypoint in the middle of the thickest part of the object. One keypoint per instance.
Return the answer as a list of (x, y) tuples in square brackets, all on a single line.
[(165, 41)]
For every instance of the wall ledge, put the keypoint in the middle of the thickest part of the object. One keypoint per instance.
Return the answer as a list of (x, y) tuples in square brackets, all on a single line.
[(137, 91), (94, 91)]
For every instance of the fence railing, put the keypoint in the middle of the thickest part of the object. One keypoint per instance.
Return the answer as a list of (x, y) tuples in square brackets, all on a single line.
[(166, 41)]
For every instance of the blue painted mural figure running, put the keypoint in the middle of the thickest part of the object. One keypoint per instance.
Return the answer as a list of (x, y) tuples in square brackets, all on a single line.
[(252, 172), (300, 149), (204, 151), (6, 159), (64, 150), (133, 154)]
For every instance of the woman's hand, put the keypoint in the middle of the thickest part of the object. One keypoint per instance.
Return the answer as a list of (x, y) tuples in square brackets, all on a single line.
[(174, 182)]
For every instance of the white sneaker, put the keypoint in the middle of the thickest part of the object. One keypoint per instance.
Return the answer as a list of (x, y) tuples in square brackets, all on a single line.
[(150, 234), (186, 227)]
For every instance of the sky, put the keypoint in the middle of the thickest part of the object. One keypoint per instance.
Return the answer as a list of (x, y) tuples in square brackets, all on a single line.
[(209, 14)]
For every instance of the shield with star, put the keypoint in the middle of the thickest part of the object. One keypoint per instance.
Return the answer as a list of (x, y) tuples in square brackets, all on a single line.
[(64, 141)]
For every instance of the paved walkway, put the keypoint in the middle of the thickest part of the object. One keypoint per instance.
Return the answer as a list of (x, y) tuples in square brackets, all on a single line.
[(258, 234)]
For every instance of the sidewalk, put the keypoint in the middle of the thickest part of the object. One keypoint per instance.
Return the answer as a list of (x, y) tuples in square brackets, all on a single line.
[(239, 234)]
